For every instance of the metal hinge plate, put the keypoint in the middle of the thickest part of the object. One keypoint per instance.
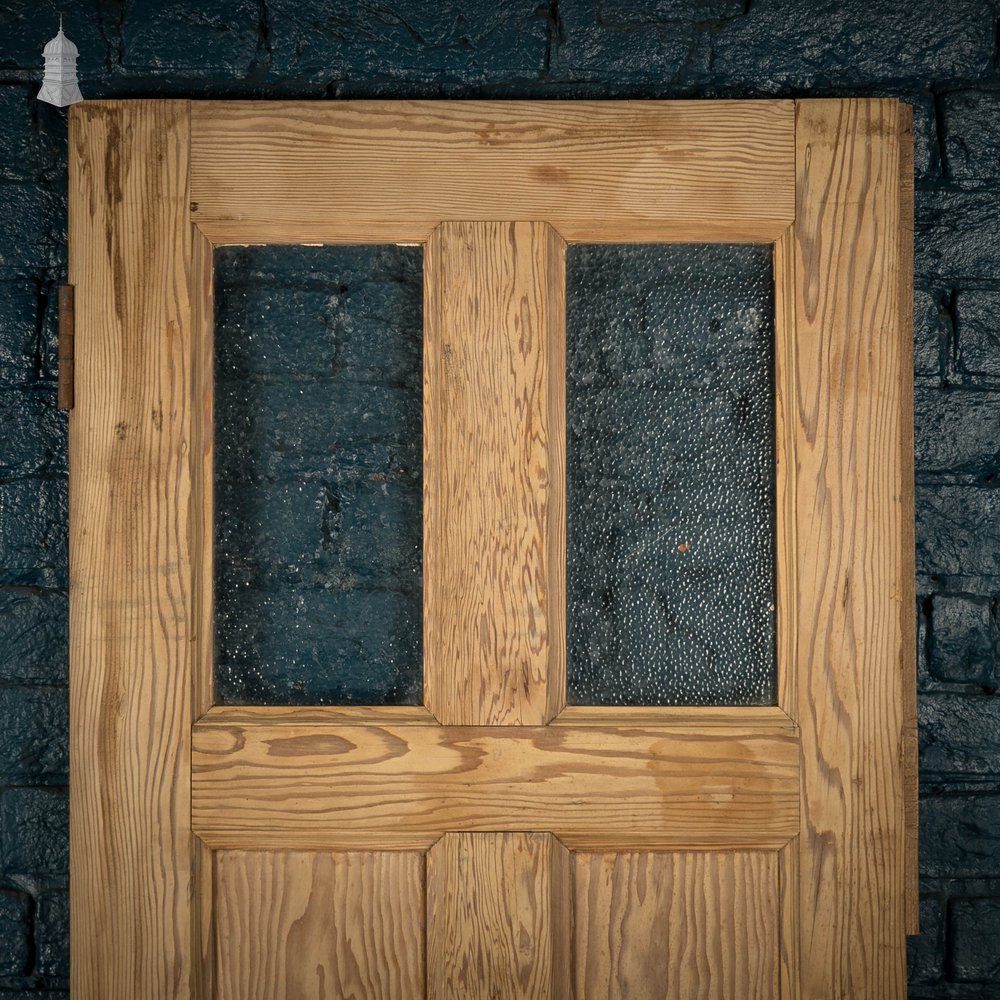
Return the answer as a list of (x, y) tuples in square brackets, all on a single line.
[(67, 324)]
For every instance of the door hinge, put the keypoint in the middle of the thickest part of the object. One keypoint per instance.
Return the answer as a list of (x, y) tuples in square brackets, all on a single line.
[(67, 356)]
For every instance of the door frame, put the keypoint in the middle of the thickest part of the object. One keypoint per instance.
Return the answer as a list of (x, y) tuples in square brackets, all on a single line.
[(155, 185)]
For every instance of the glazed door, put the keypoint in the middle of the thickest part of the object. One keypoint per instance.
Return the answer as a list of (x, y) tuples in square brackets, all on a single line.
[(492, 842)]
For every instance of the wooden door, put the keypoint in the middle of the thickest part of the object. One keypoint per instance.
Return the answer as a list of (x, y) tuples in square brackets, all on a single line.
[(492, 843)]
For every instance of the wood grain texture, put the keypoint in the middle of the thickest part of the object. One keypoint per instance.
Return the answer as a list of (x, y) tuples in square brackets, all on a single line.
[(403, 786), (691, 926), (391, 171), (499, 920), (908, 572), (494, 483), (298, 926), (854, 575), (674, 716), (786, 470), (202, 493), (333, 715), (133, 856), (789, 961)]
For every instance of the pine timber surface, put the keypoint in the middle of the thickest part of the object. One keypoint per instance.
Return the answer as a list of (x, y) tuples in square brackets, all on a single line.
[(805, 809), (404, 786), (392, 171), (854, 533), (133, 855), (499, 917), (494, 493), (683, 926), (298, 926)]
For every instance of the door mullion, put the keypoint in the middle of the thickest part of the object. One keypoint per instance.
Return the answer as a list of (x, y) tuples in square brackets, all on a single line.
[(494, 491)]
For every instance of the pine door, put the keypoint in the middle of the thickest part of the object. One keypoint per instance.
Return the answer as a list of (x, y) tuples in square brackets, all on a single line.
[(493, 842)]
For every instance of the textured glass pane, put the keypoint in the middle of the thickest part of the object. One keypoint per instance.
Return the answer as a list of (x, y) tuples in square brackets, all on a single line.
[(671, 491), (318, 475)]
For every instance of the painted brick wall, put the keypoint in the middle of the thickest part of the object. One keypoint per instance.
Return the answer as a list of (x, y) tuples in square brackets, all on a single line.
[(940, 55)]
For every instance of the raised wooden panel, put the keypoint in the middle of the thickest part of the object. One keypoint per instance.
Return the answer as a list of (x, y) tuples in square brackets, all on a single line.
[(298, 926), (391, 171), (403, 786), (132, 577), (494, 444), (854, 546), (498, 917), (692, 926)]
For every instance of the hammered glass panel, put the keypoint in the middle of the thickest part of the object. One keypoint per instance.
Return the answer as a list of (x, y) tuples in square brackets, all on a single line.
[(318, 534), (671, 476)]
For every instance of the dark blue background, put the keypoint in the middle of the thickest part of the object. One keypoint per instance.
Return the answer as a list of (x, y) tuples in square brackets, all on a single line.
[(940, 55)]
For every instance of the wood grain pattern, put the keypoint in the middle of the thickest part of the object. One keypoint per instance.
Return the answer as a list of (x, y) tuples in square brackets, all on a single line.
[(674, 716), (494, 491), (854, 541), (908, 571), (297, 926), (789, 961), (391, 171), (499, 919), (333, 715), (202, 492), (403, 786), (133, 932), (786, 470), (692, 926)]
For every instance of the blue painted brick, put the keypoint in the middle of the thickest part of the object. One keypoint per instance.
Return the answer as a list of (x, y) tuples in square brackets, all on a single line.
[(957, 236), (925, 952), (34, 833), (34, 993), (52, 934), (184, 39), (957, 431), (33, 532), (960, 835), (958, 736), (639, 12), (34, 432), (931, 333), (854, 43), (15, 934), (34, 736), (974, 934), (33, 636), (409, 40), (17, 140), (958, 532), (20, 351), (926, 155), (595, 43), (972, 134), (977, 330), (963, 639), (32, 220)]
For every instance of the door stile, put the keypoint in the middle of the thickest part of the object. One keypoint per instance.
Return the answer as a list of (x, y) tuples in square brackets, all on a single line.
[(134, 860), (854, 547)]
